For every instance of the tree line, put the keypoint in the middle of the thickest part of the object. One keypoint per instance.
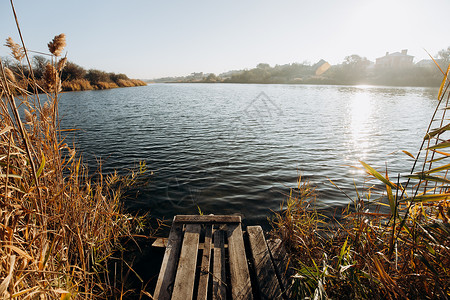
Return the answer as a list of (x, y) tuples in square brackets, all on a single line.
[(354, 70), (75, 77)]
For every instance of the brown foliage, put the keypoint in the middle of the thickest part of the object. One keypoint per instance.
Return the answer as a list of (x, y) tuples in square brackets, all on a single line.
[(101, 85), (77, 85), (58, 227)]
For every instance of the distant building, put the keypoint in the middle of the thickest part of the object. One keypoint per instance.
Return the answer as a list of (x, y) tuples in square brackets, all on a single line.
[(320, 67), (370, 65), (395, 60), (429, 63)]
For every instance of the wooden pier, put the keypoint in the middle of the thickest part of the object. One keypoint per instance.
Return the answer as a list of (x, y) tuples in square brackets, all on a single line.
[(210, 257)]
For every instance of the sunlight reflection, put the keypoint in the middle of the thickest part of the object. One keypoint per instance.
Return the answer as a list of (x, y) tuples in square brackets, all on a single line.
[(364, 86), (360, 110)]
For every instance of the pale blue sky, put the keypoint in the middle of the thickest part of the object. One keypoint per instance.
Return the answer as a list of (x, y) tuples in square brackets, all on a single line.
[(149, 39)]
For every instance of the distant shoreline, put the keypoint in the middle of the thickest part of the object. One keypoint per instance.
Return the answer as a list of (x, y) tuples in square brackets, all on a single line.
[(355, 70), (318, 84)]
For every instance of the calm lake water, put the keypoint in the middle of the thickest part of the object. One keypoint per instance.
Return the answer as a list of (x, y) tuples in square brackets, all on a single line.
[(230, 148)]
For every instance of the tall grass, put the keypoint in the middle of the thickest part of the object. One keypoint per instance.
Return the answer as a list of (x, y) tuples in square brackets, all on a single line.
[(58, 227), (399, 252), (77, 85), (84, 85)]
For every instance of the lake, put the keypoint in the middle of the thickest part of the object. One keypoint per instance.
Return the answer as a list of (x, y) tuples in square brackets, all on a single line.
[(239, 148)]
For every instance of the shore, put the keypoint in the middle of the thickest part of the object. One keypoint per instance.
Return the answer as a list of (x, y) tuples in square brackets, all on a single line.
[(85, 85)]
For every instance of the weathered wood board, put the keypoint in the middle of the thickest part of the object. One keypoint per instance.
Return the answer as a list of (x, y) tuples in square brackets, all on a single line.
[(205, 258), (268, 285)]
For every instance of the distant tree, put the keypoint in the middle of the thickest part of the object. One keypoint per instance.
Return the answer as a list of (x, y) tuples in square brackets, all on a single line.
[(116, 77), (353, 69), (444, 54), (263, 66), (13, 65), (6, 61), (211, 78), (72, 72), (288, 72), (96, 76), (39, 63), (355, 60)]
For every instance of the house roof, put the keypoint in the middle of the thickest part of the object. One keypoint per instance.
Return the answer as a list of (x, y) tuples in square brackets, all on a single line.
[(430, 62), (398, 54), (395, 54), (319, 64)]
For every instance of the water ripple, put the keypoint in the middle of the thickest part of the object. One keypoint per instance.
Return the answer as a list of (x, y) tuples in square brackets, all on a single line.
[(228, 148)]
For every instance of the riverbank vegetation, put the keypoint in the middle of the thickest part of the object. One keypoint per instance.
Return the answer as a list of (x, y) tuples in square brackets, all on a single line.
[(391, 242), (73, 77), (60, 229), (354, 70)]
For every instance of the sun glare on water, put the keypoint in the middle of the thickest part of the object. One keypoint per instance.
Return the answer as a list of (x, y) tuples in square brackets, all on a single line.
[(360, 110)]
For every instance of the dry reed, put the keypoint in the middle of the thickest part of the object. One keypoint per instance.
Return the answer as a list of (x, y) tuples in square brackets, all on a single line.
[(353, 259), (56, 46), (401, 253), (10, 75), (16, 50), (58, 227)]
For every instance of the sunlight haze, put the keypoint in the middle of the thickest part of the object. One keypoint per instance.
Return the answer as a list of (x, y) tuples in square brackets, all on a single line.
[(150, 39)]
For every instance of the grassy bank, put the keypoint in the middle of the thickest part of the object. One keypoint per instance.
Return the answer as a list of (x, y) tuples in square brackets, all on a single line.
[(86, 85), (392, 241), (59, 229), (73, 77)]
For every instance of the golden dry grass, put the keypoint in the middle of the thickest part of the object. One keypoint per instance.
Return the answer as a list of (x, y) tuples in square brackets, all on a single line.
[(77, 85), (101, 85), (58, 227), (130, 83)]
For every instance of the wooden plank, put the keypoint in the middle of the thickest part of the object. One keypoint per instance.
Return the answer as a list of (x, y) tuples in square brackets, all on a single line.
[(281, 262), (187, 219), (266, 276), (204, 269), (160, 243), (184, 280), (169, 263), (219, 286), (240, 278)]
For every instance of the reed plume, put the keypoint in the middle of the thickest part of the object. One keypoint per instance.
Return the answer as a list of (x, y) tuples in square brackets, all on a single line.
[(28, 116), (61, 64), (46, 110), (52, 80), (10, 75), (56, 46), (16, 50)]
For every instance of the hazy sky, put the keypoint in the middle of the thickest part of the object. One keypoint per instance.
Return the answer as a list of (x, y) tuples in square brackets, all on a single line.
[(149, 39)]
